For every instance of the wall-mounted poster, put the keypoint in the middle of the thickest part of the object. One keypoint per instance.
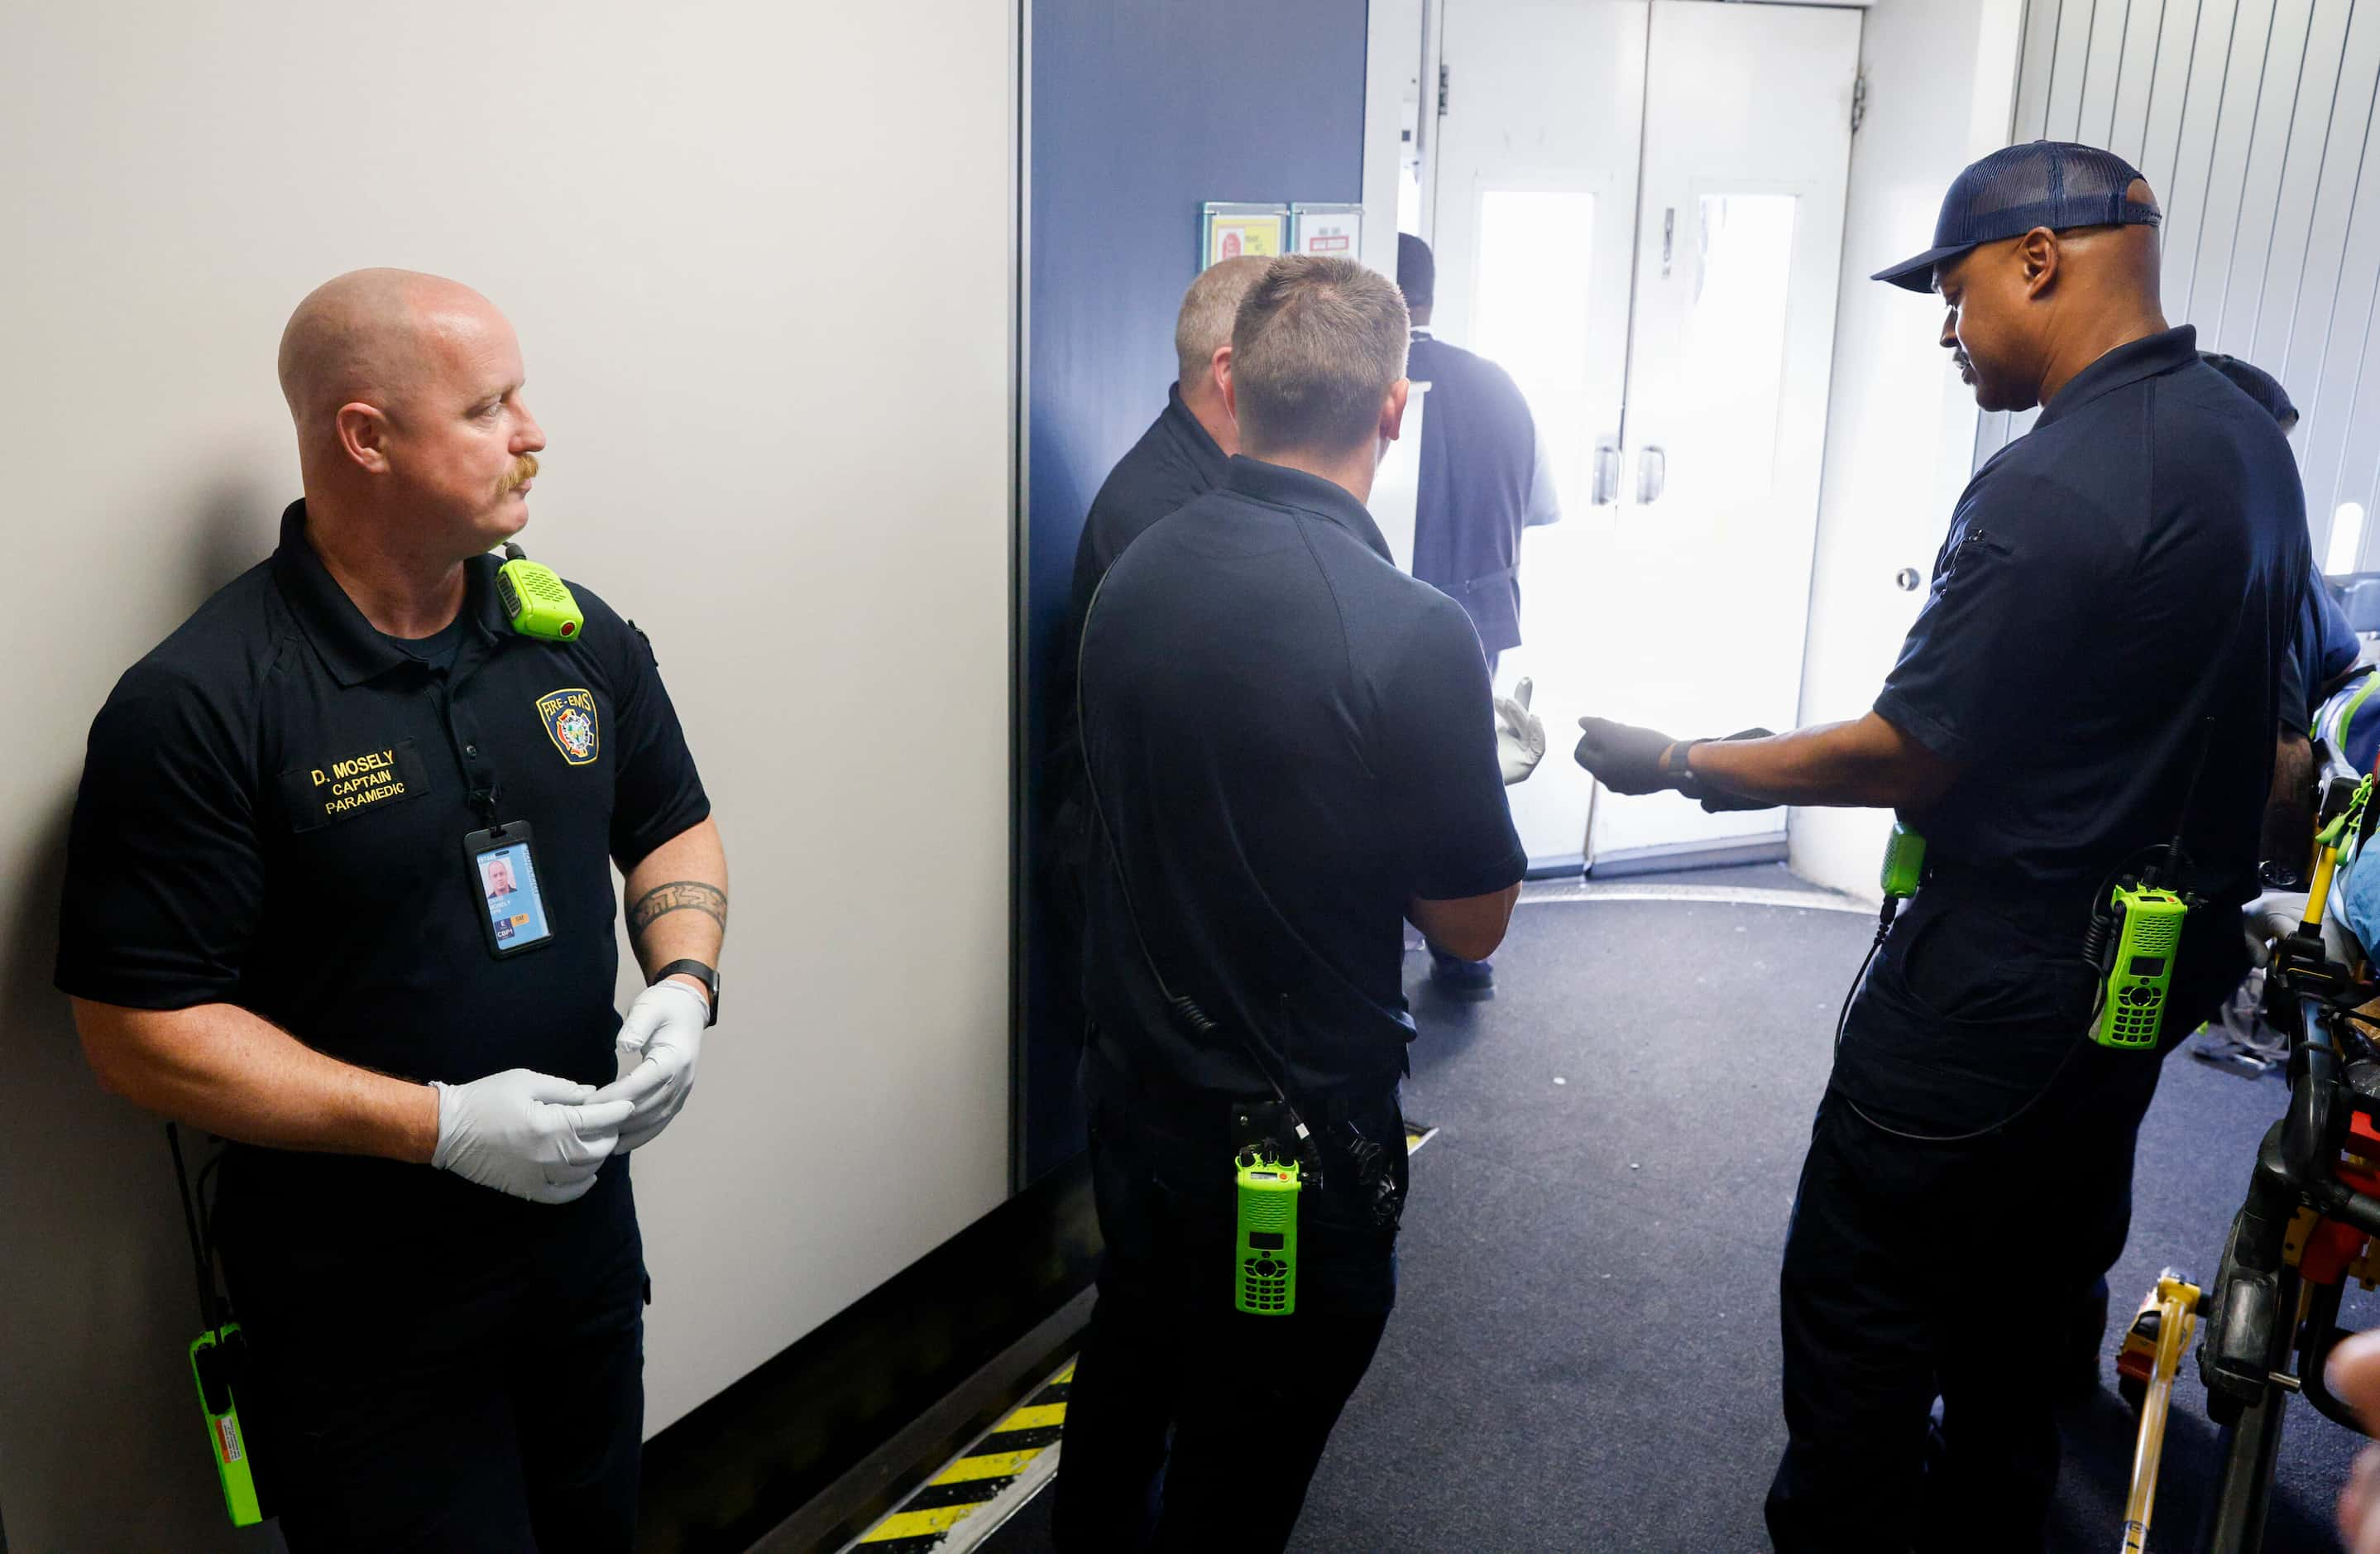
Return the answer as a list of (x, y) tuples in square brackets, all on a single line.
[(1236, 231), (1329, 231)]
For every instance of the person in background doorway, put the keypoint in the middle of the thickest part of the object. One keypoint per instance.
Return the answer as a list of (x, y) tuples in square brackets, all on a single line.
[(1290, 750), (2099, 661), (285, 940), (1483, 480), (2323, 654)]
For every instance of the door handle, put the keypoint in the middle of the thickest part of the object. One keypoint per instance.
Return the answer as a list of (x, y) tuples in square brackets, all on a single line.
[(1652, 475), (1607, 474)]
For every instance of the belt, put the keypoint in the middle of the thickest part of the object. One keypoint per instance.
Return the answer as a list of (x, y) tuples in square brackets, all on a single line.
[(1504, 576), (1195, 1117)]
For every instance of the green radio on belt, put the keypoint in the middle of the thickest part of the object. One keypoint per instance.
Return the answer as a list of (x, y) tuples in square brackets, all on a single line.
[(2135, 938), (1265, 1280), (2149, 935), (536, 600), (218, 1359), (1904, 864)]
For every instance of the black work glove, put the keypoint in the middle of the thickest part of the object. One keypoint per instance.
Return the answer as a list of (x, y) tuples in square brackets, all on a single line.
[(1627, 759), (1622, 758), (1715, 801)]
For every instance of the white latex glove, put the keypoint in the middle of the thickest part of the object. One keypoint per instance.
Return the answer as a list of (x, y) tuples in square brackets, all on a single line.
[(1520, 737), (2276, 914), (528, 1133), (663, 1028)]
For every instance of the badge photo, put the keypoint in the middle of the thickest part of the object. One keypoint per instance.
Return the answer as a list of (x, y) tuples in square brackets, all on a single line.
[(570, 722), (504, 884)]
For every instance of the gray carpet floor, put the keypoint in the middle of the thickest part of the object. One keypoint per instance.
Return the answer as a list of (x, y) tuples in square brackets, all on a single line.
[(1584, 1352)]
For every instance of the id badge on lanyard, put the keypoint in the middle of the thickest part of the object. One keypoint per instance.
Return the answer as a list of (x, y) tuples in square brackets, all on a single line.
[(502, 876)]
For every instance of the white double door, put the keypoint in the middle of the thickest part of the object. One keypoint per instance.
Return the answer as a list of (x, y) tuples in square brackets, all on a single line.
[(1637, 211)]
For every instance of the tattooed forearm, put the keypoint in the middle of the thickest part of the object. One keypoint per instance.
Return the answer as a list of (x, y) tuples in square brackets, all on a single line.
[(678, 896)]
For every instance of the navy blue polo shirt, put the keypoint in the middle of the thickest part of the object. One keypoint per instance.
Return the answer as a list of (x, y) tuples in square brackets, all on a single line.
[(2130, 568), (1478, 464), (2324, 647), (1175, 463), (1290, 739), (272, 814)]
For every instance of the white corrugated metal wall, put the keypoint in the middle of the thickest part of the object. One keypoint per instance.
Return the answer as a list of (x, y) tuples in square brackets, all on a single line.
[(2253, 121)]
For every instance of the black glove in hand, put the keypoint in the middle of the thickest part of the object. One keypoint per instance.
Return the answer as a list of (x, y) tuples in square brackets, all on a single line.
[(1715, 800), (1622, 758)]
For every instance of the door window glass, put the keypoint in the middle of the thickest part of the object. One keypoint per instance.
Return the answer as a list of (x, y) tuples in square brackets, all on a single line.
[(1535, 248), (1722, 460)]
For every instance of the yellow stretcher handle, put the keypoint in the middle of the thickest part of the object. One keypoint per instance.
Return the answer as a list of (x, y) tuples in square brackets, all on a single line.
[(2177, 1324), (2336, 836), (2326, 864)]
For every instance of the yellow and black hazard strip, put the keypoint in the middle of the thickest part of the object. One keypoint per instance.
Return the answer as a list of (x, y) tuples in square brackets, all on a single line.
[(1016, 1455), (1015, 1459)]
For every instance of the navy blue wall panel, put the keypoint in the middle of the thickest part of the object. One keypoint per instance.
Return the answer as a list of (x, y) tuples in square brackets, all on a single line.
[(1142, 110)]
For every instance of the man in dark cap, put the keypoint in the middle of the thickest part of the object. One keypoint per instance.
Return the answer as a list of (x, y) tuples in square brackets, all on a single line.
[(2097, 670), (1483, 480)]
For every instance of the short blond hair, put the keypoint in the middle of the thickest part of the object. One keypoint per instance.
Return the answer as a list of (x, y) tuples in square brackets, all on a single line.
[(1203, 326), (1317, 346)]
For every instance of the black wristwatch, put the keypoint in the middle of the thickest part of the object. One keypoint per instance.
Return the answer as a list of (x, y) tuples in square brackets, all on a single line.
[(706, 975), (1677, 768)]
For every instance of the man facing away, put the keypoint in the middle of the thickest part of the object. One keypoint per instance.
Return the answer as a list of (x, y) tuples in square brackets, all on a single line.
[(1483, 480), (1290, 750)]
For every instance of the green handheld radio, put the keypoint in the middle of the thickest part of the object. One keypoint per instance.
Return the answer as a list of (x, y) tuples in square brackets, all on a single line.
[(2148, 921), (216, 1357), (1265, 1278), (2145, 922), (536, 600), (1904, 863)]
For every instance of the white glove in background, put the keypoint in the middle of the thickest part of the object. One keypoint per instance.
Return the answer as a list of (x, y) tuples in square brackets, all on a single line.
[(2276, 914), (528, 1133), (1520, 737), (663, 1028)]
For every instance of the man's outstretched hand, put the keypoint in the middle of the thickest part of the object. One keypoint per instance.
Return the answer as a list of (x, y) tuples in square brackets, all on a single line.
[(1628, 759), (1624, 757)]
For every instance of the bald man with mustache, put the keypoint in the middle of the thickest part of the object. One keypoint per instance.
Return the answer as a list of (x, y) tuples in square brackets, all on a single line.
[(2096, 669), (281, 925)]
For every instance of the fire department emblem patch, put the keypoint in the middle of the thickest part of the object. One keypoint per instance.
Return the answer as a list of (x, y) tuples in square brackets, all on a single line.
[(569, 718)]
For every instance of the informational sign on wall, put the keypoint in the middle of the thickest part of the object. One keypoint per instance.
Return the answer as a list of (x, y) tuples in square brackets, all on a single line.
[(1239, 231), (1326, 231)]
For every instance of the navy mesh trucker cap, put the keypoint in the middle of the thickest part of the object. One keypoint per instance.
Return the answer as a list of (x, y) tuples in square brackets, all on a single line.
[(2056, 183)]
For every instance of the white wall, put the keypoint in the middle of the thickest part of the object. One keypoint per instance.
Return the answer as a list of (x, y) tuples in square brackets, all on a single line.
[(1901, 426), (759, 259), (1391, 59)]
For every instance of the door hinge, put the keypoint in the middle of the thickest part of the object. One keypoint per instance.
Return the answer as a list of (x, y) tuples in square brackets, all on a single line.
[(1444, 76), (1859, 102)]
